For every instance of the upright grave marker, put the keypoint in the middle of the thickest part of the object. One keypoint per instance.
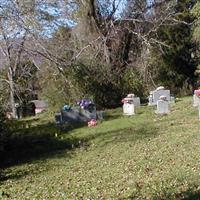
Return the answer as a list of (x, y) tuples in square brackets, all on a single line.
[(162, 105), (155, 95), (129, 104), (196, 101), (85, 111)]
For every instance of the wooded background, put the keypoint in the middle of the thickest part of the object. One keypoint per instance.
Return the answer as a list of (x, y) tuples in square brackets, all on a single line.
[(65, 50)]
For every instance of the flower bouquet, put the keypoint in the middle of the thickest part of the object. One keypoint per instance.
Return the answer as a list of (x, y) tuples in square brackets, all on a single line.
[(66, 107), (92, 123), (86, 104), (163, 97), (127, 100), (197, 93)]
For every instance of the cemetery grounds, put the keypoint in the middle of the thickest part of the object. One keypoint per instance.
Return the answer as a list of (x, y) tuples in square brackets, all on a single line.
[(146, 156)]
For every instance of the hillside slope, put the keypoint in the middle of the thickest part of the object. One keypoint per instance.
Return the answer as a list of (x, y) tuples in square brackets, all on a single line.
[(145, 156)]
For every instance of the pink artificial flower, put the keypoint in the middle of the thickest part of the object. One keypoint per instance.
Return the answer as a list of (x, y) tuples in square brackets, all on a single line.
[(197, 92), (124, 100), (92, 122)]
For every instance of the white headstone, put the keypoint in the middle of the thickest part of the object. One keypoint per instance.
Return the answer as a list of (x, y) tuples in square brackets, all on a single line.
[(196, 100), (128, 109), (162, 106), (158, 93), (136, 101), (160, 88), (155, 95), (172, 99), (150, 98)]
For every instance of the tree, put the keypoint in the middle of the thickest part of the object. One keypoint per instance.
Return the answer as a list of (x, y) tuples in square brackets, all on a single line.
[(21, 22), (196, 38), (174, 63), (196, 13)]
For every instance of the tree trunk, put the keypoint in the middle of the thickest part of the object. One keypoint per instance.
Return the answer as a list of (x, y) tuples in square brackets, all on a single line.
[(12, 91)]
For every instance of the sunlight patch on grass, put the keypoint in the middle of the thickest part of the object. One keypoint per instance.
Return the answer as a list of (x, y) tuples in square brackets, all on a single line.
[(139, 157)]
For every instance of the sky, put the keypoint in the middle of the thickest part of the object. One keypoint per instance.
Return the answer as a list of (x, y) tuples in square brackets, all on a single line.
[(57, 10)]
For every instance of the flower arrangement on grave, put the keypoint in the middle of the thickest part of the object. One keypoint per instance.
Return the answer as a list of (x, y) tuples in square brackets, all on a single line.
[(86, 104), (66, 107), (128, 99), (197, 93), (92, 123), (164, 98)]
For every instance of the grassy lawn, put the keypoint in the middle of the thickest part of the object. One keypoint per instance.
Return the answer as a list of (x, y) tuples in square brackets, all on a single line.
[(140, 157)]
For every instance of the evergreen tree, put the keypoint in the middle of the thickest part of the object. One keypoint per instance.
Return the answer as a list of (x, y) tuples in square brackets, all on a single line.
[(196, 37), (178, 64)]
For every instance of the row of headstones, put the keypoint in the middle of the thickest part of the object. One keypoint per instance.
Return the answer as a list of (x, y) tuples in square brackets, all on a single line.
[(159, 97)]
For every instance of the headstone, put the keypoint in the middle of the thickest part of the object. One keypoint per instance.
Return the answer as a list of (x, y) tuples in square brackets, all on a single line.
[(158, 93), (196, 101), (58, 118), (155, 95), (136, 101), (100, 115), (129, 104), (71, 115), (128, 109), (162, 105), (150, 98), (77, 115), (172, 99)]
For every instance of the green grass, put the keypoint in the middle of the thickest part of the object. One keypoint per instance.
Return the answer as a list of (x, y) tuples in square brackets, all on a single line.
[(145, 156)]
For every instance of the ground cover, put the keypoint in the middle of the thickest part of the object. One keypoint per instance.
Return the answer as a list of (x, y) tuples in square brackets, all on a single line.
[(145, 156)]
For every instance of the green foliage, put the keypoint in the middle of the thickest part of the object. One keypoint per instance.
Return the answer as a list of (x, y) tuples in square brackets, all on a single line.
[(55, 88), (95, 81), (196, 13), (4, 88), (26, 82), (196, 37), (132, 83), (105, 87), (176, 65)]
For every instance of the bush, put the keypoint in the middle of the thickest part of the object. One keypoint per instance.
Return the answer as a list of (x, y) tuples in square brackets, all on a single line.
[(100, 83)]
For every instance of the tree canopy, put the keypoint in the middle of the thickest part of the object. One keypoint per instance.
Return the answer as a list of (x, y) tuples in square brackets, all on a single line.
[(102, 49)]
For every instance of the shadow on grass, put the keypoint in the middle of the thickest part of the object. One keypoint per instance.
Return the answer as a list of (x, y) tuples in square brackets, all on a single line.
[(190, 194), (128, 134), (112, 114), (38, 142), (45, 141)]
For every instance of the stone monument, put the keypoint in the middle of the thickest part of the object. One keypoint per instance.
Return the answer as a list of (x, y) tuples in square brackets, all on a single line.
[(162, 105)]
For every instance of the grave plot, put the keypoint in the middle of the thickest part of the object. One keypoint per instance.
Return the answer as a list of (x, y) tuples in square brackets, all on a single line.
[(155, 95), (83, 112), (129, 104)]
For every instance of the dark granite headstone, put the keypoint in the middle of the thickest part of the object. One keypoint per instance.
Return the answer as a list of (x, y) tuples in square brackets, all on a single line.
[(75, 115)]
